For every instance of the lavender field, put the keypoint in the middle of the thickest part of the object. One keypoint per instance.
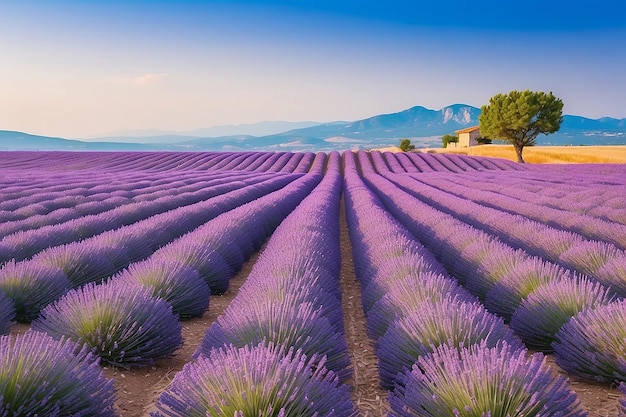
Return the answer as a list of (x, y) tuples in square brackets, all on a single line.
[(486, 287)]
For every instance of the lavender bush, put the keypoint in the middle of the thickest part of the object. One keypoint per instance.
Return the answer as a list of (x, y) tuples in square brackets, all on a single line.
[(287, 323), (551, 305), (487, 381), (122, 246), (473, 253), (591, 344), (406, 295), (589, 256), (7, 313), (501, 261), (226, 236), (267, 381), (124, 325), (385, 274), (40, 376), (32, 286), (173, 281), (506, 294), (305, 287), (613, 274), (211, 266), (433, 324), (79, 261)]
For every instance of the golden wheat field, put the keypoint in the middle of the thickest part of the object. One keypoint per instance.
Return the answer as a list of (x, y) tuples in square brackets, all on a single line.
[(548, 154)]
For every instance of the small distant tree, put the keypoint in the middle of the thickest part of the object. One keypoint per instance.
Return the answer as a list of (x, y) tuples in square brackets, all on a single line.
[(519, 117), (406, 145), (448, 139)]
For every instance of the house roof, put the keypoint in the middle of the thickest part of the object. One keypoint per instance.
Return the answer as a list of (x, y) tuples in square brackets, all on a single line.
[(467, 129)]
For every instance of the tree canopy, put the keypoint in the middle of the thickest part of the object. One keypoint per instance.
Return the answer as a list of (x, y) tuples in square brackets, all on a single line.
[(448, 139), (406, 145), (520, 116)]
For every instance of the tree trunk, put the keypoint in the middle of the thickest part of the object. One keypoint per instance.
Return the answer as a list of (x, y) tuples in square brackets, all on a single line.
[(518, 152)]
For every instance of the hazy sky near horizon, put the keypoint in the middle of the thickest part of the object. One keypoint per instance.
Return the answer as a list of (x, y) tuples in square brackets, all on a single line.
[(86, 68)]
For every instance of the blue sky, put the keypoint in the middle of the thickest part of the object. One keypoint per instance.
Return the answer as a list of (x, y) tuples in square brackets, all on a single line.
[(79, 69)]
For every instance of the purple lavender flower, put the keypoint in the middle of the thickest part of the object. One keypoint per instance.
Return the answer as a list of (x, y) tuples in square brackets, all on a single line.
[(79, 261), (613, 274), (404, 296), (32, 285), (221, 234), (384, 273), (483, 381), (434, 324), (32, 210), (6, 253), (307, 286), (551, 305), (211, 266), (506, 294), (591, 344), (589, 256), (7, 313), (474, 251), (121, 247), (173, 281), (501, 260), (288, 323), (40, 376), (24, 244), (91, 207), (123, 324), (552, 243), (264, 380)]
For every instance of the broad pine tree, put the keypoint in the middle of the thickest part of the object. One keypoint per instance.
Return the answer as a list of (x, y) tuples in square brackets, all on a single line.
[(519, 117)]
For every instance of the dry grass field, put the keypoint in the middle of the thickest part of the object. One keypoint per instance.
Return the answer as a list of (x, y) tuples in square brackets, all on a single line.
[(547, 154)]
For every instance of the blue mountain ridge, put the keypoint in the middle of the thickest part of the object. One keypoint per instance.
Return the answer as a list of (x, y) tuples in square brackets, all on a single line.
[(422, 125)]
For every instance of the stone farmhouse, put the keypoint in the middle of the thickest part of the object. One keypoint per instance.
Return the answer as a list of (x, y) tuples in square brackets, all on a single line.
[(468, 136)]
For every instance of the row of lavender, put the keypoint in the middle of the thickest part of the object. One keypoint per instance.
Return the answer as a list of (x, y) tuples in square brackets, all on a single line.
[(158, 161), (279, 348), (131, 319), (427, 327)]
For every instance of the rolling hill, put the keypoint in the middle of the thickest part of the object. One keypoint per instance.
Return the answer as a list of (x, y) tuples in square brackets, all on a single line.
[(423, 126)]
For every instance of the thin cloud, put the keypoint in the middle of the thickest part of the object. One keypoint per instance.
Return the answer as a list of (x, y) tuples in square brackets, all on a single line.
[(142, 80)]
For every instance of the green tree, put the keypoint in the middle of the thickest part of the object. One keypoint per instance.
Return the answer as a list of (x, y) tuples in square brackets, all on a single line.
[(519, 117), (406, 145), (448, 139)]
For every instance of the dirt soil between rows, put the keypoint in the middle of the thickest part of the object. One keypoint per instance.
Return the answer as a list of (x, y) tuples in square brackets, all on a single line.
[(138, 389)]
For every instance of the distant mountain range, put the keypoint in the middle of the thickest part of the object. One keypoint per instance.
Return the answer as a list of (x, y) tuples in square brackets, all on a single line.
[(423, 126), (171, 136)]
